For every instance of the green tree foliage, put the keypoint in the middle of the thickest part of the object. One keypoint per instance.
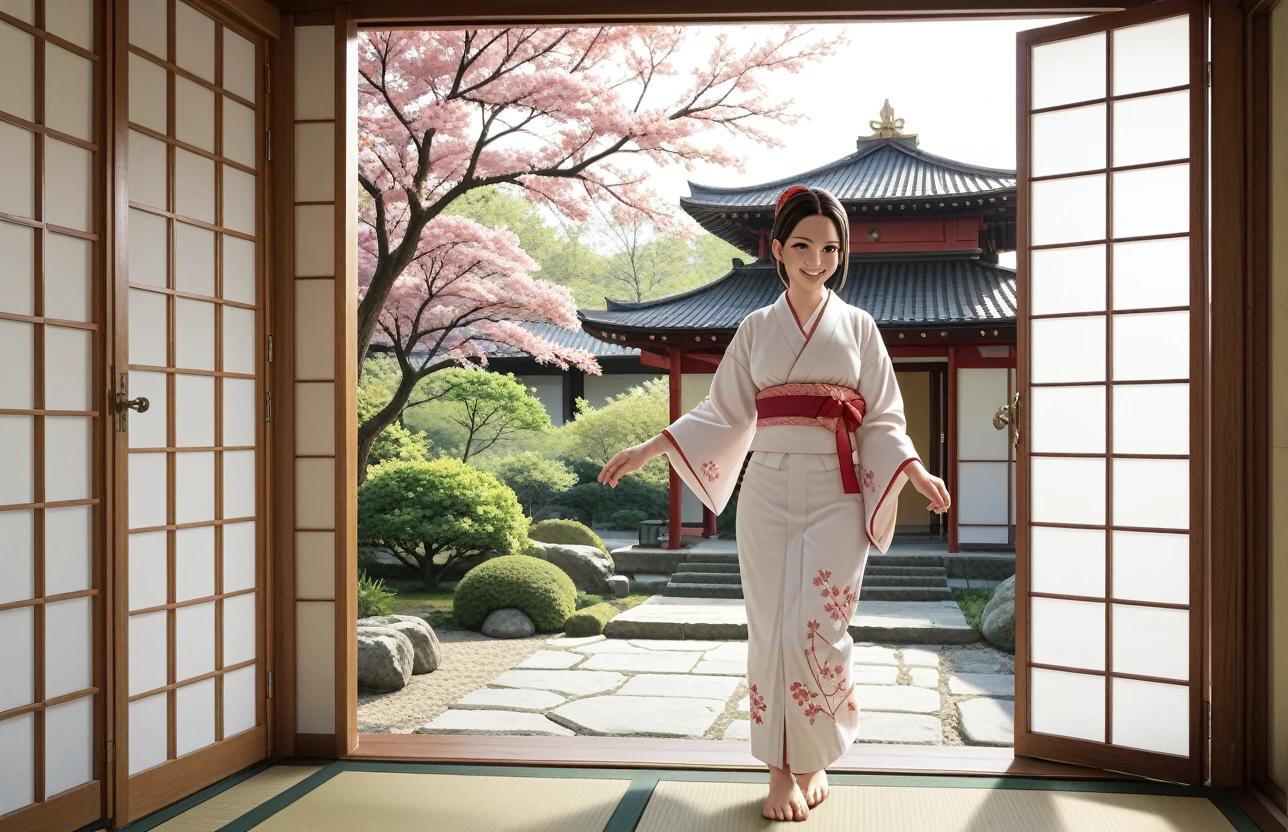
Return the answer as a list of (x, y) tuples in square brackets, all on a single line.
[(490, 407), (396, 442), (432, 514), (626, 419), (535, 479)]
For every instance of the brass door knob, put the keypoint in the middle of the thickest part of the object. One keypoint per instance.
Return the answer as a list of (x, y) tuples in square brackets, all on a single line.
[(139, 405)]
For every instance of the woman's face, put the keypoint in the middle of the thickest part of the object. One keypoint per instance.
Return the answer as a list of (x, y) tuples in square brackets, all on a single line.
[(811, 253)]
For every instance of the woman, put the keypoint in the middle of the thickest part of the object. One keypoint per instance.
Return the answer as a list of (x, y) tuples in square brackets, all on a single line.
[(807, 387)]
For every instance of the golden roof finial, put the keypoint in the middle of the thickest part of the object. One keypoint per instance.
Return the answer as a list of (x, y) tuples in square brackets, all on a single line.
[(888, 127)]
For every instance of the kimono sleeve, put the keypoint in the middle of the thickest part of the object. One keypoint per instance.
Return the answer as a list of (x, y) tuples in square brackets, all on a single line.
[(884, 447), (708, 444)]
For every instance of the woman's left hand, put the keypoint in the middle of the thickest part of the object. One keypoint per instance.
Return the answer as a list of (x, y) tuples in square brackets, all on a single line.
[(930, 487)]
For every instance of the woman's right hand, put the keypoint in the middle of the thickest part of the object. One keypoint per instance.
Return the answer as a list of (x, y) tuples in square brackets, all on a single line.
[(630, 460)]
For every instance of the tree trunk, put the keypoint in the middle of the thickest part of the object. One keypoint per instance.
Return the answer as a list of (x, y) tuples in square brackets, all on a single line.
[(371, 429), (427, 574)]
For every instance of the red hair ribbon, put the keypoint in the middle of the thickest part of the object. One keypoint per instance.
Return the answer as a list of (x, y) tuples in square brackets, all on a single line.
[(788, 194)]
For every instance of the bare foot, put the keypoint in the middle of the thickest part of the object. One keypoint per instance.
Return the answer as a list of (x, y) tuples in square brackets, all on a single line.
[(813, 786), (785, 801)]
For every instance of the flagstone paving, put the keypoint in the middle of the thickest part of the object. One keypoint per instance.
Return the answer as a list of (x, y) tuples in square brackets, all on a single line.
[(918, 694)]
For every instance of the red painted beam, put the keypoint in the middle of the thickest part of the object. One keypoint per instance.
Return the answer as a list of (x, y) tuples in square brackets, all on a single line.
[(953, 547), (673, 531)]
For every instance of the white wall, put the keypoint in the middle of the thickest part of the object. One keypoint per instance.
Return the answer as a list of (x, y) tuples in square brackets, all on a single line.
[(599, 388)]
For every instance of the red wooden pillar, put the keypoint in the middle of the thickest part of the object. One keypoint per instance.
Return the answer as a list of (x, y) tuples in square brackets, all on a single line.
[(951, 478), (673, 540), (708, 522)]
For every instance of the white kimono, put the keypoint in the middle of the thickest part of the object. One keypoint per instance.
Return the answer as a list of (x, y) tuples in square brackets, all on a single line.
[(802, 541)]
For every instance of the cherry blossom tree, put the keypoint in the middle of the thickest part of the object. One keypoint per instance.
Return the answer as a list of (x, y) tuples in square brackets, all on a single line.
[(573, 117)]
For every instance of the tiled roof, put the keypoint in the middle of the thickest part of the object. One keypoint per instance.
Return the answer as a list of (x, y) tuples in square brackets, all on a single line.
[(565, 338), (904, 291)]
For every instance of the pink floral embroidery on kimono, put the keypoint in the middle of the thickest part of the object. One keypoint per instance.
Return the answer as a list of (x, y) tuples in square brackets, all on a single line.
[(710, 470), (867, 477), (829, 679), (757, 706)]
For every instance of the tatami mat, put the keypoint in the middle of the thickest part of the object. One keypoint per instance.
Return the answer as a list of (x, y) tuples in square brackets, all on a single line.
[(678, 806), (234, 802)]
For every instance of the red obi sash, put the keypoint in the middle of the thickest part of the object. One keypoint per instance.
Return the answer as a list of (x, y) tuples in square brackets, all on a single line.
[(831, 406)]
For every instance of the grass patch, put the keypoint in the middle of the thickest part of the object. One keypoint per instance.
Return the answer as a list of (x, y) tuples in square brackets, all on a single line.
[(972, 602)]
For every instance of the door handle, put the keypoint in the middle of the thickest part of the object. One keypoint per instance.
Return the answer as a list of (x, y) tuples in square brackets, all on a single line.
[(124, 404), (1009, 415)]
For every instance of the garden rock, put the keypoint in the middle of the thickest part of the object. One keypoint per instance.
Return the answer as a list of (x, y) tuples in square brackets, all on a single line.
[(619, 585), (385, 659), (997, 622), (508, 623), (588, 566), (559, 513), (424, 642)]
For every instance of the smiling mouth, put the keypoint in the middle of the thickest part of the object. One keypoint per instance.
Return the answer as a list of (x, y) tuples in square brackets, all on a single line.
[(809, 273)]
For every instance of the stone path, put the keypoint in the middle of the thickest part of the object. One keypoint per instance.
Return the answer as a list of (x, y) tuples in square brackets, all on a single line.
[(597, 686)]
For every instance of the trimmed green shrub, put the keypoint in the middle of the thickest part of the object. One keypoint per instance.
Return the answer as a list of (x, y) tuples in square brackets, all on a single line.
[(599, 501), (627, 518), (586, 599), (567, 532), (534, 550), (373, 598), (590, 621), (539, 588)]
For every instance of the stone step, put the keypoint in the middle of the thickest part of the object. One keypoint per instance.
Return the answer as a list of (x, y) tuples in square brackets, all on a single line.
[(905, 560), (904, 580), (706, 578), (704, 566), (677, 590), (877, 568), (712, 557), (905, 593)]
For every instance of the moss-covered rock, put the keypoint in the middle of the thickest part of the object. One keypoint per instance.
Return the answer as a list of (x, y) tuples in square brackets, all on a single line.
[(566, 532), (590, 621)]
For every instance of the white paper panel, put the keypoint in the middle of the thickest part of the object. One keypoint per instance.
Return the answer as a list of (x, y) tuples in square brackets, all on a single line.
[(1152, 56), (148, 328), (315, 162), (1068, 71), (979, 393), (147, 171), (68, 276), (1152, 567), (18, 65), (1152, 201), (1068, 350), (1067, 633), (239, 629), (68, 549), (241, 411), (148, 430), (68, 374), (147, 651), (1068, 491), (148, 570), (194, 411), (194, 563), (148, 479), (18, 654), (194, 717), (194, 492), (69, 740), (981, 494), (17, 775), (314, 565), (1068, 561), (239, 270), (239, 484), (17, 171), (24, 10), (239, 340), (18, 290), (194, 641), (1068, 141), (148, 25), (1155, 128), (1152, 273), (68, 458), (1152, 419), (17, 486), (314, 494), (239, 701), (239, 200), (72, 20), (194, 114), (1064, 280), (240, 68), (1151, 345), (148, 94), (18, 357), (1152, 493), (315, 418), (314, 240), (1067, 704), (239, 557), (314, 72), (314, 330), (194, 334), (149, 253), (69, 186), (239, 133), (315, 667), (69, 661), (1151, 641), (1068, 210), (1067, 419), (194, 259), (71, 111), (194, 41), (17, 530), (149, 731), (1152, 716), (194, 186)]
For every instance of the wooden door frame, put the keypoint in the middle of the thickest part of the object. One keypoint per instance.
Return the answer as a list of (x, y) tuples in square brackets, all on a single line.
[(1226, 568)]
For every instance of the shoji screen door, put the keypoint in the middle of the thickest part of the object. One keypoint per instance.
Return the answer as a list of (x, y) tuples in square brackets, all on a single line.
[(191, 293), (52, 744), (1113, 336)]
